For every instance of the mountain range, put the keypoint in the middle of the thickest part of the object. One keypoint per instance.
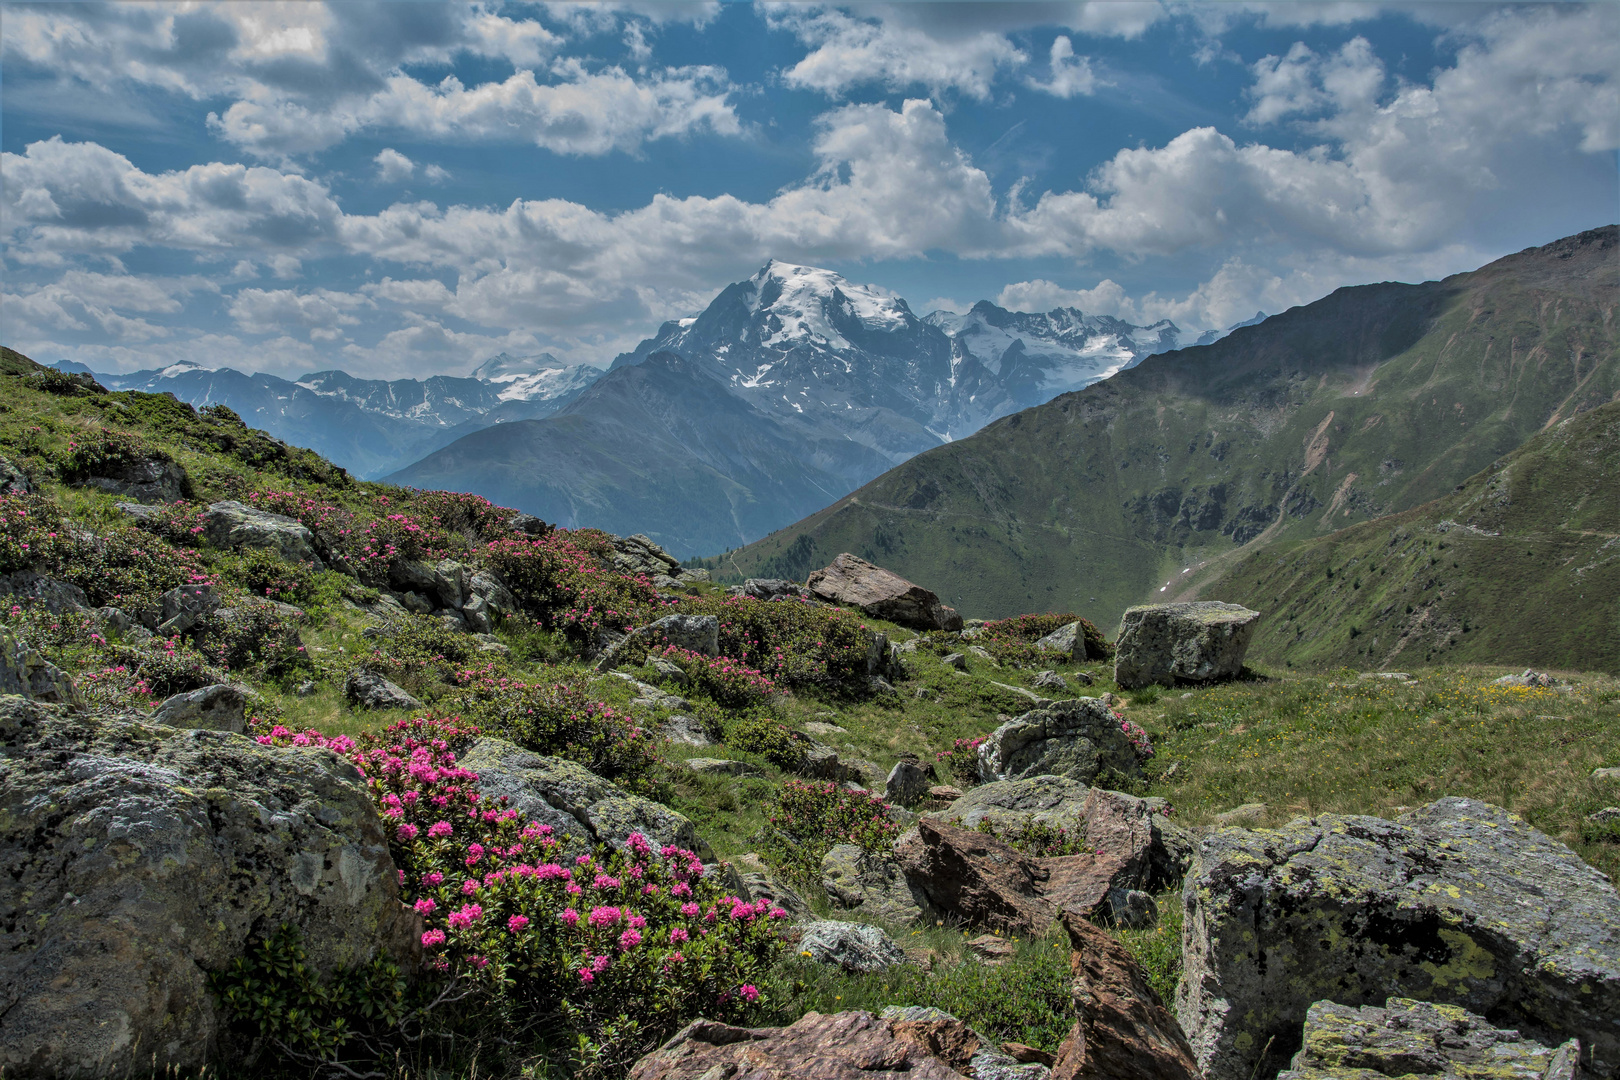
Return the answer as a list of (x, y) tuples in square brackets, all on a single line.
[(1372, 401), (788, 391)]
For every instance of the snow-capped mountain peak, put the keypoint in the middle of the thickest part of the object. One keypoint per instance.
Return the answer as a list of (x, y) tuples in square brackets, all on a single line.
[(541, 377), (797, 303)]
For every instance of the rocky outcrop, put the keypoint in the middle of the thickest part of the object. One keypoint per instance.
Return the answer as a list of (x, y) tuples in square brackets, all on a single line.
[(148, 480), (12, 479), (695, 633), (1069, 640), (1122, 1030), (875, 887), (232, 524), (183, 606), (907, 783), (1107, 817), (1079, 739), (29, 589), (367, 690), (851, 581), (637, 554), (1530, 677), (1174, 644), (971, 876), (842, 1046), (221, 707), (573, 800), (25, 671), (1458, 903), (140, 858), (771, 589), (1405, 1038), (852, 946)]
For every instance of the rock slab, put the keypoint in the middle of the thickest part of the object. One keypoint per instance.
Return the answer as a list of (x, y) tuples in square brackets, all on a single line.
[(221, 707), (1458, 903), (1122, 1030), (854, 947), (232, 524), (1406, 1037), (853, 582), (1173, 644), (843, 1046), (140, 858), (371, 691), (573, 800)]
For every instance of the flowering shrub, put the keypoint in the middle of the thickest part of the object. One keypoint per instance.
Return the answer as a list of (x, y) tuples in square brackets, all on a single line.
[(471, 516), (560, 578), (561, 719), (104, 453), (252, 635), (530, 922), (180, 523), (726, 681), (791, 642), (962, 760), (31, 531), (1137, 736), (806, 818)]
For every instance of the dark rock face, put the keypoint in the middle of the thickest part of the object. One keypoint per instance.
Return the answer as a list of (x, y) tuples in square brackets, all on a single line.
[(139, 858), (150, 480), (182, 606), (30, 589), (1182, 643), (1407, 1037), (853, 582), (1122, 1030), (843, 1046), (1458, 903)]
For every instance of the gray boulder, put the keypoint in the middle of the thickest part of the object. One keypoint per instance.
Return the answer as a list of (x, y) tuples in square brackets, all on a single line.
[(367, 690), (220, 707), (12, 480), (1067, 640), (1079, 739), (1530, 677), (1406, 1037), (25, 672), (527, 524), (772, 589), (687, 730), (1050, 680), (1459, 903), (140, 859), (696, 633), (856, 948), (573, 800), (638, 554), (232, 524), (1182, 643), (907, 783), (1132, 909), (450, 583), (876, 887), (30, 589), (150, 480), (183, 606), (708, 766)]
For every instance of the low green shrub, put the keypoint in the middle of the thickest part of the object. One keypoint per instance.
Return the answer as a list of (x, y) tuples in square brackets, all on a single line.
[(561, 719), (104, 452), (1038, 838), (265, 574), (791, 642), (1158, 948), (760, 733), (252, 635), (806, 818)]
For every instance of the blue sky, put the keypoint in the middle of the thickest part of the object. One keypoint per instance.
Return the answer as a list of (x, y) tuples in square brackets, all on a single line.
[(402, 189)]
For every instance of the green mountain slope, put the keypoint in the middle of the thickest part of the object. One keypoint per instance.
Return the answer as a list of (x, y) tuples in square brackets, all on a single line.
[(1371, 401), (1520, 566)]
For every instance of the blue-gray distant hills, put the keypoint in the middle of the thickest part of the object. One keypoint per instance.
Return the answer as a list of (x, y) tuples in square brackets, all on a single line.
[(790, 390), (370, 426)]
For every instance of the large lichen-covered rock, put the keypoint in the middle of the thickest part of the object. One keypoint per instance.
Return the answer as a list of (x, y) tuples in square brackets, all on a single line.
[(1407, 1037), (139, 858), (852, 946), (1459, 903), (1182, 643), (573, 800), (231, 524), (1079, 739)]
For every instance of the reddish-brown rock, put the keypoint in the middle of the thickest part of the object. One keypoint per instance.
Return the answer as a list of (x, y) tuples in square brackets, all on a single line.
[(853, 582), (1123, 1030), (971, 876), (843, 1046)]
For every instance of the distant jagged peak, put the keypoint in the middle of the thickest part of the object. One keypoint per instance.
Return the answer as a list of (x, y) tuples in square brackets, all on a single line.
[(808, 300), (503, 367)]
